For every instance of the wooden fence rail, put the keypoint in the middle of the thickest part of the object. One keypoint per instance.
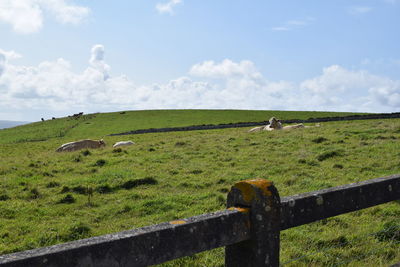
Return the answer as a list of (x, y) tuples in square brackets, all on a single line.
[(249, 228)]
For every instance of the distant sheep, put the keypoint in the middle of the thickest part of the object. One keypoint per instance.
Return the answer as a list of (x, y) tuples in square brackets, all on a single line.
[(275, 124), (77, 145), (256, 129), (296, 126), (123, 143)]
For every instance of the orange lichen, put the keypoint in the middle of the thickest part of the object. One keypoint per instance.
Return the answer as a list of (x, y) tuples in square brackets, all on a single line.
[(247, 188), (244, 210), (178, 222)]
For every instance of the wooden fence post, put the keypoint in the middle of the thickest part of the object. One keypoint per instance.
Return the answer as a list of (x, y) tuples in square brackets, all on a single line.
[(262, 249)]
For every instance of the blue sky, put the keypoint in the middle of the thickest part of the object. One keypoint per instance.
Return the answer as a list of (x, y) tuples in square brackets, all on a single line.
[(59, 57)]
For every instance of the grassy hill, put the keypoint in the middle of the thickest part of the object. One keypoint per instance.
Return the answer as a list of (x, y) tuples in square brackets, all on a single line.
[(101, 124), (45, 196)]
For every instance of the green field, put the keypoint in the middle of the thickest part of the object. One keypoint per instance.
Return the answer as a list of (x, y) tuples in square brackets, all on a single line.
[(100, 124), (44, 197)]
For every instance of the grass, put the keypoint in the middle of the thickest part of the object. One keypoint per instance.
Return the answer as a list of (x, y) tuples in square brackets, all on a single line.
[(48, 198), (100, 124)]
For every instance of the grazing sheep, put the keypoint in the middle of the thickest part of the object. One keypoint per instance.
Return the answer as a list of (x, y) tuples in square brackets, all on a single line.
[(77, 145), (123, 143)]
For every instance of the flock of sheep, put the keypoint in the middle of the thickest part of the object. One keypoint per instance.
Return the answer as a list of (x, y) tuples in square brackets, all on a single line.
[(274, 124)]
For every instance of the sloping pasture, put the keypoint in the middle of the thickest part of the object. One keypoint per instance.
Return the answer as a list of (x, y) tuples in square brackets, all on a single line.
[(48, 197), (98, 125)]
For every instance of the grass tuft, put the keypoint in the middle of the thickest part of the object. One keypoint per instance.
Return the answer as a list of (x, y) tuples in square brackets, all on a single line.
[(68, 199), (4, 197), (196, 171), (78, 231), (312, 163), (65, 189), (221, 181), (337, 166), (52, 184), (34, 194), (104, 189), (223, 190), (117, 150), (100, 162), (47, 174), (328, 154), (134, 183), (319, 140), (340, 241), (389, 232), (78, 158), (80, 190), (180, 143), (86, 152)]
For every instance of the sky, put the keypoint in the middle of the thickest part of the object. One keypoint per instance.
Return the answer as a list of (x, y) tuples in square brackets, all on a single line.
[(60, 57)]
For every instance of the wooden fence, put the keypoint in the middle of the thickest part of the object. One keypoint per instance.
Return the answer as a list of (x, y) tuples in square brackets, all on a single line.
[(249, 228)]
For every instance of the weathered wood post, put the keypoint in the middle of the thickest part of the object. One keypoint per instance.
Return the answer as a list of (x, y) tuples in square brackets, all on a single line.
[(262, 249)]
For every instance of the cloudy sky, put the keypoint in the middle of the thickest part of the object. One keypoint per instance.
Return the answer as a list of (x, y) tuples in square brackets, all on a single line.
[(59, 57)]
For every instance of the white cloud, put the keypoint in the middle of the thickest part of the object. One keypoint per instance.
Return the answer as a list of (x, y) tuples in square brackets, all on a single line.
[(226, 69), (10, 54), (387, 94), (6, 56), (168, 7), (339, 80), (53, 89), (64, 12), (354, 88), (26, 16), (2, 63), (97, 60)]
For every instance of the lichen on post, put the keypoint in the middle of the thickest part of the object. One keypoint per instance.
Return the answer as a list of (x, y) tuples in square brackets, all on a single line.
[(263, 200)]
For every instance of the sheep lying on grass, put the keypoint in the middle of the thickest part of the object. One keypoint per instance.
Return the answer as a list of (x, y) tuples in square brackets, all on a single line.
[(77, 145), (123, 143), (275, 124)]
